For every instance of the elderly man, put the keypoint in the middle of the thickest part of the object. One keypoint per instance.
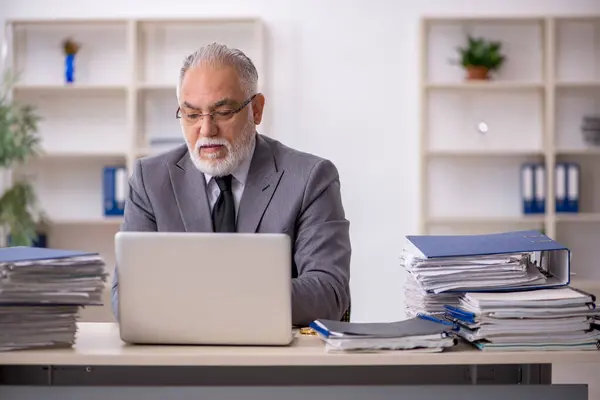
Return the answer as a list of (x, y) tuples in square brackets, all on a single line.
[(229, 178)]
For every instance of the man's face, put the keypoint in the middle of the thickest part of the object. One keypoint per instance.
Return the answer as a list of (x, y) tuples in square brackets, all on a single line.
[(217, 144)]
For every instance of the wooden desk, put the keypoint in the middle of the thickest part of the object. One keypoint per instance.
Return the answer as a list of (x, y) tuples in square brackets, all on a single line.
[(100, 357), (98, 344)]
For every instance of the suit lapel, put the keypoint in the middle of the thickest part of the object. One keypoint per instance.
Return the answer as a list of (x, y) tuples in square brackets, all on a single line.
[(189, 187), (262, 181)]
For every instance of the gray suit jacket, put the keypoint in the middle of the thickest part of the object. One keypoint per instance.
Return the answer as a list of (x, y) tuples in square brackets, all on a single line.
[(286, 191)]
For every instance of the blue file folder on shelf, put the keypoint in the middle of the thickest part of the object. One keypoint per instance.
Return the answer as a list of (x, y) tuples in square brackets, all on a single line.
[(567, 190), (114, 190), (539, 189), (527, 188), (546, 256), (533, 188)]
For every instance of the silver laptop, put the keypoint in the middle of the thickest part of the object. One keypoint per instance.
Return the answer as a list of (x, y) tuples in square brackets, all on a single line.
[(204, 288)]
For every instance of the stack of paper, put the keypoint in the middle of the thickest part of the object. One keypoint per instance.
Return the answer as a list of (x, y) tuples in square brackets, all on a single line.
[(545, 319), (41, 291), (42, 326), (465, 273), (421, 334), (440, 268), (417, 300)]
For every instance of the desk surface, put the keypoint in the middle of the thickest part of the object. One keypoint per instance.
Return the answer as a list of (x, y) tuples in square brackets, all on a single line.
[(100, 344)]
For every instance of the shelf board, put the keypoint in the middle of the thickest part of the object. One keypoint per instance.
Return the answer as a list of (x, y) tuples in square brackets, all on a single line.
[(591, 151), (77, 88), (537, 219), (578, 85), (116, 220), (156, 86), (484, 85), (578, 217), (484, 153), (484, 19), (53, 155)]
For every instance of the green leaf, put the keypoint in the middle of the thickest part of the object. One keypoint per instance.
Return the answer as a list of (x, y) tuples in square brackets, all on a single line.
[(19, 142), (481, 52)]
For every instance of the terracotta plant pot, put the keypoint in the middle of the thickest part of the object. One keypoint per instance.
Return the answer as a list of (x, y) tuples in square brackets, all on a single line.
[(477, 73)]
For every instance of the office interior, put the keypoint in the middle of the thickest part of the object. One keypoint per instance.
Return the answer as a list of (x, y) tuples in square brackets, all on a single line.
[(375, 86)]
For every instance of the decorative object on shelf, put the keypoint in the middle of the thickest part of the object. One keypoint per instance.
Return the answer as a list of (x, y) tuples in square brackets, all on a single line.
[(590, 128), (114, 190), (19, 142), (480, 56), (71, 48), (567, 187)]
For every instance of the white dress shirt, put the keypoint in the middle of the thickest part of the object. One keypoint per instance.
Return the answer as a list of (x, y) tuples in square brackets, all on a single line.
[(240, 175)]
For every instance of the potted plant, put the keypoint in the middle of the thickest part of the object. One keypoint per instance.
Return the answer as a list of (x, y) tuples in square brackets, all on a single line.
[(480, 56), (19, 142)]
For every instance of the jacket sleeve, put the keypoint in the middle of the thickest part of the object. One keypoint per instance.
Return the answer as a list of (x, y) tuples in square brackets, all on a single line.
[(322, 250), (138, 216)]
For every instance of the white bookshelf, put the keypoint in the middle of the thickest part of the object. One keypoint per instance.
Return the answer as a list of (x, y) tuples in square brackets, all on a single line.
[(123, 97), (532, 109)]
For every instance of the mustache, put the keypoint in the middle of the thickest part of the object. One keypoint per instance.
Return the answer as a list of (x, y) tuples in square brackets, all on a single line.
[(211, 142)]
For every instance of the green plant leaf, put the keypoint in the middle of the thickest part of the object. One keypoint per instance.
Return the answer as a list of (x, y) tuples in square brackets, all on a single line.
[(481, 52), (19, 142)]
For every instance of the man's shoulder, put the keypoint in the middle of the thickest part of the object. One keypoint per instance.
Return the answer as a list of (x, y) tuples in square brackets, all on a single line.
[(289, 157), (160, 160)]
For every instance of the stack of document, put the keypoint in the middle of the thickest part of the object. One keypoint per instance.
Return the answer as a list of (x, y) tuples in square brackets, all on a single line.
[(41, 291), (440, 268), (545, 319), (420, 334), (469, 273), (26, 327), (417, 300)]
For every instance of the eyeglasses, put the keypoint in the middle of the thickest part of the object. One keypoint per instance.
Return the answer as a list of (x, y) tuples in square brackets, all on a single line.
[(217, 115)]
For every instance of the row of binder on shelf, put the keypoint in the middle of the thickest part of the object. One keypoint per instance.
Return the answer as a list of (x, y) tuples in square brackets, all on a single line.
[(567, 187), (114, 188)]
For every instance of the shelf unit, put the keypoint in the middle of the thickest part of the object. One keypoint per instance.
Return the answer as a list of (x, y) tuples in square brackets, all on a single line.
[(123, 97), (475, 135)]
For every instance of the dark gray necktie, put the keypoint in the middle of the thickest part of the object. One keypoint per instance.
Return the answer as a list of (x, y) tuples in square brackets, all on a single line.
[(223, 214)]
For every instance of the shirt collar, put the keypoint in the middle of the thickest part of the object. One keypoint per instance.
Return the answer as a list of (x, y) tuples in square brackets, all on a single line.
[(241, 172)]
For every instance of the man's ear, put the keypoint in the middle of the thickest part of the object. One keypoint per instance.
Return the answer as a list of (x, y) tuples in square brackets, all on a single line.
[(258, 105)]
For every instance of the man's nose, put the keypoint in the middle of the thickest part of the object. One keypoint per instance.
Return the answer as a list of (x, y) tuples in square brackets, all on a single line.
[(207, 127)]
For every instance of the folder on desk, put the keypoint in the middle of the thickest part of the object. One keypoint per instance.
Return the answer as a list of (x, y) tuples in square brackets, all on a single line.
[(423, 333), (547, 262)]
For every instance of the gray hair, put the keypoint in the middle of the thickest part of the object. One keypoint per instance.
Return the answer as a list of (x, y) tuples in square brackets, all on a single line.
[(218, 54)]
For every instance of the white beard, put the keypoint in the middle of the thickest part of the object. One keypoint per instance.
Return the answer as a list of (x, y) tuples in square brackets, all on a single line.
[(236, 153)]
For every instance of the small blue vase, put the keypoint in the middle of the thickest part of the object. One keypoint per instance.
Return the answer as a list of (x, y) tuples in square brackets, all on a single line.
[(70, 68)]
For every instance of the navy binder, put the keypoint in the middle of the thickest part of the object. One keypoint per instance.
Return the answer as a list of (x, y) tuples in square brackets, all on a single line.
[(527, 188), (114, 188), (24, 253), (573, 187), (560, 190), (539, 189), (555, 258)]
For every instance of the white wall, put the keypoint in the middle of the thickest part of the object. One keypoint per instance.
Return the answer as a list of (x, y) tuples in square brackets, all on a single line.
[(343, 77)]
